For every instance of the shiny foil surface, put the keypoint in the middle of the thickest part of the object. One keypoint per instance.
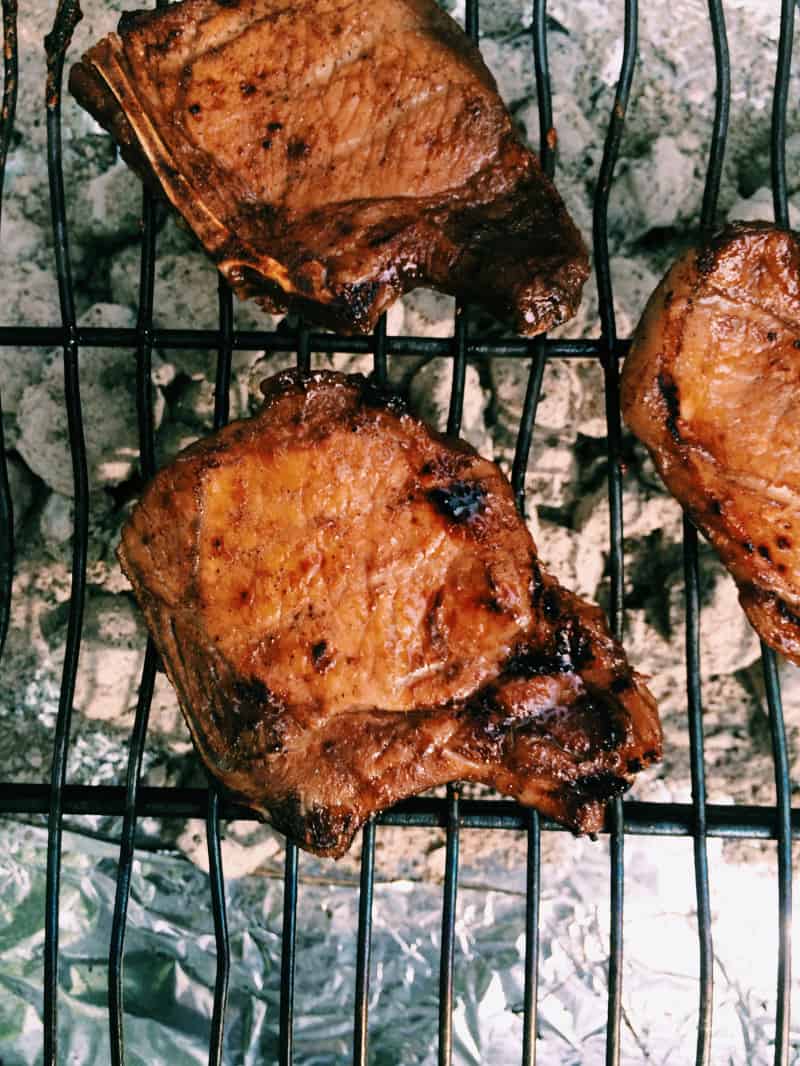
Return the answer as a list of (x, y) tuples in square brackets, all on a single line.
[(170, 958)]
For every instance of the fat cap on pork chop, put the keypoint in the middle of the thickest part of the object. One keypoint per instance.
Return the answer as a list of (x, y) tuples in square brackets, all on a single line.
[(351, 611), (334, 155)]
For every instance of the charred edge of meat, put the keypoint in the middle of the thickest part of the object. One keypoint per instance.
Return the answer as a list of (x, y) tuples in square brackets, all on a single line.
[(785, 611), (571, 650), (371, 394), (460, 501), (603, 785), (537, 583), (323, 829), (374, 394), (355, 301), (669, 393)]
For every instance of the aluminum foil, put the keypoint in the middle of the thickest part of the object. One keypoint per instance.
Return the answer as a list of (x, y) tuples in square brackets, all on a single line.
[(170, 960)]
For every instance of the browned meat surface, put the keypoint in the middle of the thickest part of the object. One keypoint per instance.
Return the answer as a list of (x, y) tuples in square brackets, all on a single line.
[(332, 155), (712, 387), (351, 611)]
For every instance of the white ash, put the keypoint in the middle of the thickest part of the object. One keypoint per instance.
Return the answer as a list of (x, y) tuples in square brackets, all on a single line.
[(653, 214), (110, 424)]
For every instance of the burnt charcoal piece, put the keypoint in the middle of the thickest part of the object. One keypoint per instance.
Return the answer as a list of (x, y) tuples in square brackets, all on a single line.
[(339, 640), (332, 156), (712, 387)]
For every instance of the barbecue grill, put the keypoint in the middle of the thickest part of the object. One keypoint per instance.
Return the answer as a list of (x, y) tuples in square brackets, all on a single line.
[(698, 820)]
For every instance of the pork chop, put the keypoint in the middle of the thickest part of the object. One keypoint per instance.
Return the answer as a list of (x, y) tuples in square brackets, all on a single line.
[(712, 387), (351, 611), (333, 155)]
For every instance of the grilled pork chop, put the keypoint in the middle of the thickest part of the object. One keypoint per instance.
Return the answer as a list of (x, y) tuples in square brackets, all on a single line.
[(331, 156), (351, 611), (712, 387)]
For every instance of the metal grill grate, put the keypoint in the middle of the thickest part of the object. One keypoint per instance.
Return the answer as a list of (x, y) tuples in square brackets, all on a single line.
[(698, 819)]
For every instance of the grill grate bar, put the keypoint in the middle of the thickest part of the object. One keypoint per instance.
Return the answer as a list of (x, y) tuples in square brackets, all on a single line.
[(216, 876), (303, 347), (739, 822), (381, 369), (783, 812), (525, 436), (147, 462), (695, 712), (222, 385), (367, 880), (783, 785), (722, 104), (611, 377), (126, 853), (519, 469), (692, 586), (507, 348), (532, 902), (778, 131), (448, 928), (55, 47), (217, 884), (7, 114), (364, 944), (288, 942), (286, 1036), (252, 340)]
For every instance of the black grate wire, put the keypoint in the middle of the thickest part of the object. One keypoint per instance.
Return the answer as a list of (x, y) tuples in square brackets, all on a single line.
[(698, 819)]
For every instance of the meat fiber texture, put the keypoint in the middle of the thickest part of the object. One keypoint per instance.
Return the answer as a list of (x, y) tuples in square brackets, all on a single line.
[(351, 611), (331, 157), (711, 387)]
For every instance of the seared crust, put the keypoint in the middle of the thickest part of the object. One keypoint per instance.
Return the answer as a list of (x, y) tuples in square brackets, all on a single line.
[(711, 386), (351, 612), (353, 155)]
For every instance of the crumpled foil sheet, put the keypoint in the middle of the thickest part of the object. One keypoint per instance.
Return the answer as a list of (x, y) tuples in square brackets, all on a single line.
[(170, 960)]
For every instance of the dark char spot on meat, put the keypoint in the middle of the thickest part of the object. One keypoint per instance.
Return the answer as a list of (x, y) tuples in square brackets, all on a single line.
[(550, 604), (669, 393), (461, 501), (327, 828), (297, 149), (601, 785), (785, 611)]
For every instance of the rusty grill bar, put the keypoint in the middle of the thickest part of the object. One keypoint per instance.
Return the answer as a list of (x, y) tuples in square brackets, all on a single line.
[(698, 819)]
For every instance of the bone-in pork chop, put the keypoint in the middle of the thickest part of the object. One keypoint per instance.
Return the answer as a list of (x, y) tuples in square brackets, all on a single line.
[(712, 387), (351, 611), (333, 155)]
